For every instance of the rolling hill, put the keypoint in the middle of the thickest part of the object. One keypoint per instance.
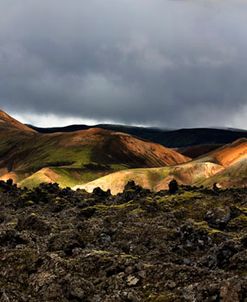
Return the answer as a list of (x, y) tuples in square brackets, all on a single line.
[(93, 153), (233, 176), (9, 123), (226, 166), (228, 154), (210, 138), (109, 159), (69, 158)]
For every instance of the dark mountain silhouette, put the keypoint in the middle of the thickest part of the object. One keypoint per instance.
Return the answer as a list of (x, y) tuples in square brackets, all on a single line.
[(169, 138)]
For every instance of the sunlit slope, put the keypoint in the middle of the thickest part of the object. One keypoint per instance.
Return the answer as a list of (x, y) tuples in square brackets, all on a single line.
[(76, 157), (154, 178), (221, 166), (147, 178), (64, 176), (6, 121), (233, 176), (228, 154), (98, 146), (13, 137), (90, 157), (70, 156)]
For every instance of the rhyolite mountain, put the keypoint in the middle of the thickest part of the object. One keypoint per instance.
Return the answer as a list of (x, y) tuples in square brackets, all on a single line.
[(30, 157), (8, 123), (226, 166), (109, 159), (190, 142)]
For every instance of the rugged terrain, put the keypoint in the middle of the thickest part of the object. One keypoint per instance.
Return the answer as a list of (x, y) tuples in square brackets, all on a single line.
[(63, 245), (96, 157), (72, 158), (226, 166)]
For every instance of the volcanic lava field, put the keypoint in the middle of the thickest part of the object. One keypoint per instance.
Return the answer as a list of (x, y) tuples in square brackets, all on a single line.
[(64, 245)]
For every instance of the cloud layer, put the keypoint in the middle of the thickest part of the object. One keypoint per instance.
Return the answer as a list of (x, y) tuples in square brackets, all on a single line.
[(160, 62)]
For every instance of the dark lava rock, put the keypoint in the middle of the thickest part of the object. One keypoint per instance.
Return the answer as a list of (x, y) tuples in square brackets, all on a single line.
[(233, 291), (76, 288), (33, 223), (218, 217), (87, 212), (66, 241), (173, 186), (98, 192), (12, 238), (193, 239), (220, 256), (2, 218), (138, 246), (244, 241), (132, 192)]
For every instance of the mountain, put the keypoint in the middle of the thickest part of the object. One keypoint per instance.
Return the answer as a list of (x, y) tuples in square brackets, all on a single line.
[(170, 138), (234, 158), (9, 123), (13, 135), (93, 153), (228, 154), (155, 179), (220, 166), (233, 176), (69, 158), (195, 151), (109, 159)]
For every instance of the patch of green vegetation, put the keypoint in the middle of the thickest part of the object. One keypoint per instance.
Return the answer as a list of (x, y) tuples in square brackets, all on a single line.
[(118, 167), (117, 206), (70, 177), (180, 198), (100, 252), (67, 162), (187, 195), (31, 182), (163, 297), (155, 176), (51, 153), (104, 208), (203, 225), (244, 210), (108, 254), (137, 211), (65, 176), (239, 222)]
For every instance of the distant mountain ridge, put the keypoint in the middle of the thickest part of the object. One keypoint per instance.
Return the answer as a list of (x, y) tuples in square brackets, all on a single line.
[(179, 138)]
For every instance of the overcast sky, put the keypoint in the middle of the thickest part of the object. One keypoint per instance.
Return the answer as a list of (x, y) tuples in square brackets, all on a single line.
[(171, 63)]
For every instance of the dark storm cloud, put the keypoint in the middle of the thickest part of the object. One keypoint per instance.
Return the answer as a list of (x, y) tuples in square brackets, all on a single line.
[(169, 63)]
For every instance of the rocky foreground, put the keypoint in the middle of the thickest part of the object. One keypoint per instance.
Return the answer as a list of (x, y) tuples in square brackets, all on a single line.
[(63, 245)]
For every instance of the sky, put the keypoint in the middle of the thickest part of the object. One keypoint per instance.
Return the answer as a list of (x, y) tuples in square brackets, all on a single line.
[(166, 63)]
